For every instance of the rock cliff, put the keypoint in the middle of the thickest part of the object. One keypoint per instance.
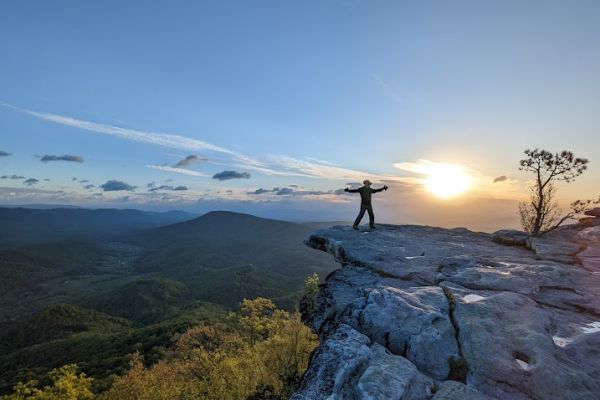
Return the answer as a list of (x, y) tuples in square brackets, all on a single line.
[(418, 312)]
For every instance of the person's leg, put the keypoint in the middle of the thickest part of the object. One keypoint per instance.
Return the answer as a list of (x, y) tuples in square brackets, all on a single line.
[(360, 215), (371, 217)]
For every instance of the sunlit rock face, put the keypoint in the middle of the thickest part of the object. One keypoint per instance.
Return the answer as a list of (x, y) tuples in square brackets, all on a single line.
[(428, 313)]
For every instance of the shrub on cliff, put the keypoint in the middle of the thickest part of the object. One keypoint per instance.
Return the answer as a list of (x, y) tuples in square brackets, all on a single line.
[(263, 351)]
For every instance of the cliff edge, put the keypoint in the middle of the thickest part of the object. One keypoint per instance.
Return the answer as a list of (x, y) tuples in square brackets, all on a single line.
[(419, 312)]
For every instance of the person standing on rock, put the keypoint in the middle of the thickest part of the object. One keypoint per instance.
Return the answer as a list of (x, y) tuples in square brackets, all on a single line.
[(365, 202)]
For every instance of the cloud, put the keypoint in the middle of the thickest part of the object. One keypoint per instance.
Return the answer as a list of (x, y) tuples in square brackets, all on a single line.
[(226, 175), (30, 181), (160, 139), (114, 185), (311, 169), (90, 186), (289, 191), (168, 187), (293, 185), (182, 171), (284, 191), (189, 160), (426, 168), (4, 154), (390, 91), (65, 157), (84, 181), (260, 191), (500, 179), (278, 165), (15, 177)]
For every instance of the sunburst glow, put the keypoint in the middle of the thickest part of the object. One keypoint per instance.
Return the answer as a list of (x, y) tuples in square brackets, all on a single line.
[(447, 180)]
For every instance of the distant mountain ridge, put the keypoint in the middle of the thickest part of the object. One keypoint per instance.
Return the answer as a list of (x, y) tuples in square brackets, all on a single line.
[(24, 226), (222, 239)]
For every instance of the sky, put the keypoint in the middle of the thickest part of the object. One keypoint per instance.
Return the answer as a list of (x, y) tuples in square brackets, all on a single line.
[(273, 107)]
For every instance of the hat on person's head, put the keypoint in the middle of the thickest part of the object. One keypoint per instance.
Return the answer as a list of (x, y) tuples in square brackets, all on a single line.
[(366, 182)]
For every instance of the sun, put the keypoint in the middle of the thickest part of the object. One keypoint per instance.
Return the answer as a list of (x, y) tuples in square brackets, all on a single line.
[(447, 180)]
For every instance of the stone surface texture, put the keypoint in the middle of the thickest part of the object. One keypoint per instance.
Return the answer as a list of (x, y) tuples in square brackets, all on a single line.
[(419, 312)]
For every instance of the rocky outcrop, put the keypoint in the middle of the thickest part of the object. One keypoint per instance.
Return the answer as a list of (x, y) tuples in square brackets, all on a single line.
[(594, 212), (510, 237), (428, 313)]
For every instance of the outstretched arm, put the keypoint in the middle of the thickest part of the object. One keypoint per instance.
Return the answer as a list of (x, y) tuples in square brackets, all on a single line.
[(351, 190), (380, 190)]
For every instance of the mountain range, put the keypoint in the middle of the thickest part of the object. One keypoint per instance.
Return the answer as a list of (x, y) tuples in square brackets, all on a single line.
[(75, 283)]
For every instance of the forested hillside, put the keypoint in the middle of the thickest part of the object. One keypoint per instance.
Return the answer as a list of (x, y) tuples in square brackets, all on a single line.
[(95, 300)]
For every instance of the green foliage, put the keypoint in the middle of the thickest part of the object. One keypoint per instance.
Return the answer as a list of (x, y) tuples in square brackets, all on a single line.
[(100, 353), (258, 319), (311, 290), (144, 301), (259, 352), (57, 322), (260, 355), (67, 384)]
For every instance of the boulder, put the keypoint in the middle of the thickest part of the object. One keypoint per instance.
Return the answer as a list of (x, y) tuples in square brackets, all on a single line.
[(591, 234), (594, 212), (510, 237), (348, 365)]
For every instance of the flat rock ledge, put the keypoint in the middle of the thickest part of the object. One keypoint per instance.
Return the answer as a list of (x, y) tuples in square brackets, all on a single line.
[(418, 312)]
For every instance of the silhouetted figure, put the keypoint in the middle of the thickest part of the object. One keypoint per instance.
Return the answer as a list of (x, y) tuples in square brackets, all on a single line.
[(365, 202)]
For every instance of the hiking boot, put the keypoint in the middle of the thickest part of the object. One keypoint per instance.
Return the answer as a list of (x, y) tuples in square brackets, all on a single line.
[(355, 227), (372, 227)]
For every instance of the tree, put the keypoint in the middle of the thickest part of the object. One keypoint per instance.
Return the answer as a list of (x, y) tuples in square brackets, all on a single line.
[(260, 353), (542, 214), (67, 384)]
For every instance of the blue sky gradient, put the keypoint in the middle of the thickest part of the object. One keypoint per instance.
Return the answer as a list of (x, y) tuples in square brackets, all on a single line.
[(284, 90)]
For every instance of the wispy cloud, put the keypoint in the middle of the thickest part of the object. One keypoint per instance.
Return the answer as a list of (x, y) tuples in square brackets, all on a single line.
[(169, 140), (4, 154), (161, 139), (274, 165), (183, 171), (388, 89), (500, 179), (313, 169)]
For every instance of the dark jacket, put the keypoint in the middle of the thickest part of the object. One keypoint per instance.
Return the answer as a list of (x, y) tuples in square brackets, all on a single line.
[(365, 194)]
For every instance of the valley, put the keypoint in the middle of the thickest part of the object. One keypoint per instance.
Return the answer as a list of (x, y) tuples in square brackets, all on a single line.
[(95, 298)]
